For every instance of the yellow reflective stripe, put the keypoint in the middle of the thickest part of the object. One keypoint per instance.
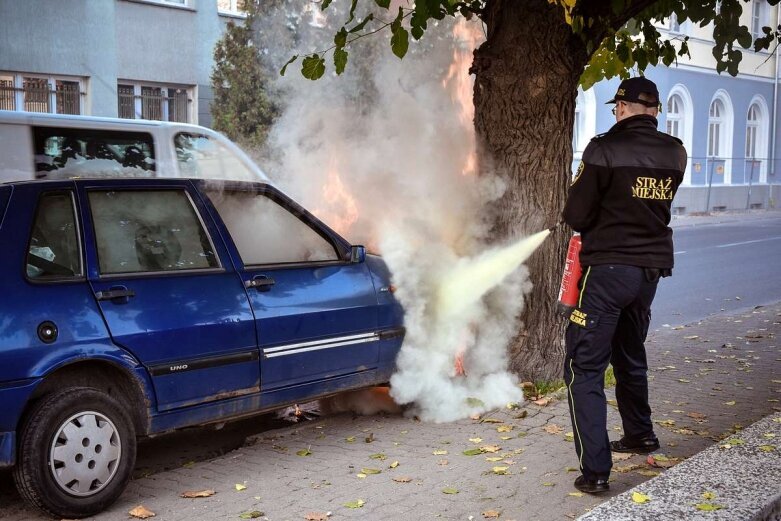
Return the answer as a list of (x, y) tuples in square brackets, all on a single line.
[(583, 287), (574, 415)]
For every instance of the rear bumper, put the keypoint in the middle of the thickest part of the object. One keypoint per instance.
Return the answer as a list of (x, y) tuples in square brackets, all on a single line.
[(13, 397)]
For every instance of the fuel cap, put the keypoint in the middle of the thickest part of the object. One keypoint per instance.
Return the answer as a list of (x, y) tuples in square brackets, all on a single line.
[(47, 332)]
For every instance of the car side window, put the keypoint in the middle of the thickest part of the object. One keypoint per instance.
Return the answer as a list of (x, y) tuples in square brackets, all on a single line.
[(206, 158), (265, 232), (73, 152), (149, 231), (54, 251)]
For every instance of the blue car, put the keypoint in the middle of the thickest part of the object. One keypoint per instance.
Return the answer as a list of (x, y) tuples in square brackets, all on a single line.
[(133, 307)]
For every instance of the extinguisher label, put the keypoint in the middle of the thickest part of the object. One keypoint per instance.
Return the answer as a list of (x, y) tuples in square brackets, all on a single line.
[(578, 317)]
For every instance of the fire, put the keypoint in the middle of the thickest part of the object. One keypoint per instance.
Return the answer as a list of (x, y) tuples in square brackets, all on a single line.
[(459, 84), (342, 209)]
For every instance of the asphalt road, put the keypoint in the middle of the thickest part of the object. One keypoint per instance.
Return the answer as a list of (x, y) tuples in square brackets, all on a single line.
[(720, 267)]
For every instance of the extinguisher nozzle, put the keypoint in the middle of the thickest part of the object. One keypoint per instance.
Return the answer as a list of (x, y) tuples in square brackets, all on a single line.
[(553, 228)]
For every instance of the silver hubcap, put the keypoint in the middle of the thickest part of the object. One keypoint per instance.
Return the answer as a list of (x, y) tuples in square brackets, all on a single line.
[(85, 453)]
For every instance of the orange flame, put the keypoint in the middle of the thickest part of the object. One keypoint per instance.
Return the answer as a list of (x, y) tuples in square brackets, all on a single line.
[(342, 209), (460, 84)]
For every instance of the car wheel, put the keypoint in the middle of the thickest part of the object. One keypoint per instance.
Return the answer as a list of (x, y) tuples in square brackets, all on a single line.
[(77, 448)]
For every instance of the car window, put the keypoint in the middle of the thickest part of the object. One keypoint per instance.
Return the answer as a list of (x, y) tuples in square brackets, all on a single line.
[(148, 231), (206, 158), (74, 152), (267, 233), (54, 250)]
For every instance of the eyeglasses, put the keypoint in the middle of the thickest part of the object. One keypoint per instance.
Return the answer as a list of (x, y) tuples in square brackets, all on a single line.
[(615, 107)]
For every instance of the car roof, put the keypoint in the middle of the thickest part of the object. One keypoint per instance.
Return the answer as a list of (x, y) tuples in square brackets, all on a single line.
[(224, 183), (80, 121)]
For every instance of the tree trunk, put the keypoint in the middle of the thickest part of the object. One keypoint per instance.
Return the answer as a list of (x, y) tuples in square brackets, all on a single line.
[(526, 78)]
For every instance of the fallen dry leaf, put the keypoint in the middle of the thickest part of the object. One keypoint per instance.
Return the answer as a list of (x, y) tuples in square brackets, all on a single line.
[(252, 515), (240, 487), (576, 494), (141, 512), (618, 456), (449, 490), (197, 493), (358, 503), (439, 452), (628, 468), (476, 440), (639, 497), (402, 479), (553, 429), (490, 448), (316, 516), (648, 473), (696, 415), (542, 402), (491, 514), (393, 465)]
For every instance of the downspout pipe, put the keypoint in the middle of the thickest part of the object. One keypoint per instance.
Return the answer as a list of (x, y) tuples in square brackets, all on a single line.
[(772, 166)]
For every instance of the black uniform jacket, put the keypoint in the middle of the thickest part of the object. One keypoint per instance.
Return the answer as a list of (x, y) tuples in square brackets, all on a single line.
[(621, 196)]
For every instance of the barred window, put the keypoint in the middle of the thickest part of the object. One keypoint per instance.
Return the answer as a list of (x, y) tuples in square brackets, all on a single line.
[(154, 102), (41, 93)]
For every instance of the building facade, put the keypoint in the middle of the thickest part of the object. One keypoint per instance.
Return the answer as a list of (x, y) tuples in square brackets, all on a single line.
[(727, 124), (149, 59)]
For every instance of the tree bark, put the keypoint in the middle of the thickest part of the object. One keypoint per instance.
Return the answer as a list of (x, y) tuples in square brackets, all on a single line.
[(526, 79)]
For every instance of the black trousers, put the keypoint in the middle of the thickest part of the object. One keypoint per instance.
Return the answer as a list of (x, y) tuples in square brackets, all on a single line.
[(609, 325)]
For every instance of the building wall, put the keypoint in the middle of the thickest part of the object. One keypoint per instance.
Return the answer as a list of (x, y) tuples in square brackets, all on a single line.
[(111, 41), (729, 180)]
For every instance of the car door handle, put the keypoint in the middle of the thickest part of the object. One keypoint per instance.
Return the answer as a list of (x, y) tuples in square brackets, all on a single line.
[(262, 283), (115, 293)]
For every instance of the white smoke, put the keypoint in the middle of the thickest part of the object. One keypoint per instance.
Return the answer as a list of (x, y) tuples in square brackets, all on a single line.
[(392, 134)]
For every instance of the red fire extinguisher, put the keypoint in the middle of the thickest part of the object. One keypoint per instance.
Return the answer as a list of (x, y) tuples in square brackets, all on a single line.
[(568, 291)]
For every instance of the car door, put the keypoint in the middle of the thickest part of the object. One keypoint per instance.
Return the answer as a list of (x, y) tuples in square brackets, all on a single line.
[(315, 311), (158, 271)]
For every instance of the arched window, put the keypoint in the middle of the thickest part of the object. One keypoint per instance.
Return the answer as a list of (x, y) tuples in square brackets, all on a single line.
[(720, 118), (680, 121), (675, 116), (716, 129), (756, 140), (585, 124)]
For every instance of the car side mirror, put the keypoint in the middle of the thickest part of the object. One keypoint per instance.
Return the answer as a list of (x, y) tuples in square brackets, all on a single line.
[(357, 254)]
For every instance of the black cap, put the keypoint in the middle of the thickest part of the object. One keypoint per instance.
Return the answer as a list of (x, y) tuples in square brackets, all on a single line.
[(630, 90)]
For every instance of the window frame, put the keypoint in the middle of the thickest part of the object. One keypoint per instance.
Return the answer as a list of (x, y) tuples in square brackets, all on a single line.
[(53, 96), (220, 268), (339, 244), (233, 10), (166, 99), (726, 133), (80, 277)]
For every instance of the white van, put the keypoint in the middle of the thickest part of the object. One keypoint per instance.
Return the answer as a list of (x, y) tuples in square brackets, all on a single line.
[(53, 146)]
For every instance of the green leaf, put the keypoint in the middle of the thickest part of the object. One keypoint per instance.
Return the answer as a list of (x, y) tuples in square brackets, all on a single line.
[(449, 491), (472, 452), (304, 452), (380, 456), (284, 67), (352, 11), (325, 4), (744, 38), (475, 402), (400, 42), (340, 40), (385, 4), (361, 25), (252, 515), (358, 503), (368, 471), (313, 67), (340, 60)]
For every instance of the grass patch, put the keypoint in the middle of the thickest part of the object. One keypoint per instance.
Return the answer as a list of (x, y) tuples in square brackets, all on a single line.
[(610, 378), (542, 388)]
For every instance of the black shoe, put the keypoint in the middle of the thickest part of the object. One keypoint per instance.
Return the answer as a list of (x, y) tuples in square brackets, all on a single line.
[(592, 486), (641, 446)]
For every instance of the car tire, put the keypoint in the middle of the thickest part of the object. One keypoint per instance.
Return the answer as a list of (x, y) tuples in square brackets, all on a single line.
[(76, 452)]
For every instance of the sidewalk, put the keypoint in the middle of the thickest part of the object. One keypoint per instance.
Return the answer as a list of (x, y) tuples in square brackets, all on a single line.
[(707, 381), (679, 221)]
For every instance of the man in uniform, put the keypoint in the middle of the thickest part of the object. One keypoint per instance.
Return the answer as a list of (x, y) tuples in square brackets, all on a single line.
[(620, 203)]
